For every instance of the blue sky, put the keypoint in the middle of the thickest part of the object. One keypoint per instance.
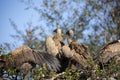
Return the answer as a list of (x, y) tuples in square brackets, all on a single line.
[(15, 10)]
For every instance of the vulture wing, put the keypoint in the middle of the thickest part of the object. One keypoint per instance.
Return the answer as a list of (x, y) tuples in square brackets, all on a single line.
[(80, 49), (73, 55), (109, 51), (45, 58), (51, 47), (25, 54), (67, 51), (21, 55)]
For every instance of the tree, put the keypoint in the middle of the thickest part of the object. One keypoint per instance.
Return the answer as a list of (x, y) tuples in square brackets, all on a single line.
[(82, 16), (31, 37), (95, 22)]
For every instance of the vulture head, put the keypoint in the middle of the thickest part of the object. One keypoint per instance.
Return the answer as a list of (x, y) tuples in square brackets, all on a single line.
[(70, 33), (58, 36), (58, 31)]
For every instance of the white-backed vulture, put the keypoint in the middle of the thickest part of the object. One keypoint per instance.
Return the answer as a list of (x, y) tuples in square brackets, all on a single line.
[(79, 48), (109, 52), (53, 45), (58, 39), (80, 52), (74, 56), (25, 57)]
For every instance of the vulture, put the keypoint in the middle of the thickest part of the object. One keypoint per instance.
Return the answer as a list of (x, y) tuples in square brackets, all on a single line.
[(26, 58), (76, 51), (74, 56), (58, 39), (54, 44), (54, 47), (111, 51)]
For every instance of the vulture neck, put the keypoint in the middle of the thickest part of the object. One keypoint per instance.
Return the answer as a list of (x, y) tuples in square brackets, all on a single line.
[(58, 37), (69, 40)]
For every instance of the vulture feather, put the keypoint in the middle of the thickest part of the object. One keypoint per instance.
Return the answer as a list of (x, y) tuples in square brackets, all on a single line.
[(24, 57), (108, 52)]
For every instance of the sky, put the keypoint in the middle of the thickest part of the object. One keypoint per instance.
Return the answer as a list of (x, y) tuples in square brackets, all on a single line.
[(14, 10)]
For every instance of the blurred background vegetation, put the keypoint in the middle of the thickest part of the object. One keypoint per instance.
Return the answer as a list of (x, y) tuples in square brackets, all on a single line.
[(95, 22)]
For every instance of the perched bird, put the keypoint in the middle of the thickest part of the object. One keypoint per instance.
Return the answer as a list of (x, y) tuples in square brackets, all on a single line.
[(74, 50), (53, 45), (79, 48), (58, 39), (109, 52), (79, 59), (26, 58)]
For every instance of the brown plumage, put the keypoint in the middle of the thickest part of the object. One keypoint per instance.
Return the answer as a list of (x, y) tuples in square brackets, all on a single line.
[(53, 45), (25, 56), (79, 48), (58, 39), (74, 56), (76, 51), (108, 52)]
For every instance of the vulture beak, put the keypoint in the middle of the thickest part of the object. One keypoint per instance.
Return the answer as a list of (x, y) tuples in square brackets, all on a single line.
[(55, 31), (67, 32), (70, 33)]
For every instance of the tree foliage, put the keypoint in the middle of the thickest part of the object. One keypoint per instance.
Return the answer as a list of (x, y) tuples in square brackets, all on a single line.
[(95, 22)]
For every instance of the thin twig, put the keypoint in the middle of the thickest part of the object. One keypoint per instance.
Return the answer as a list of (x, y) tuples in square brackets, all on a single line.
[(54, 77)]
